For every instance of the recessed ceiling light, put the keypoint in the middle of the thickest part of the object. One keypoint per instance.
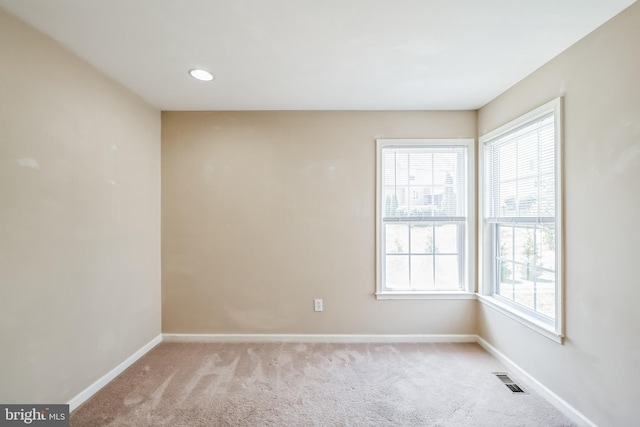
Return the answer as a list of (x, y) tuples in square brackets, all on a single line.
[(200, 74)]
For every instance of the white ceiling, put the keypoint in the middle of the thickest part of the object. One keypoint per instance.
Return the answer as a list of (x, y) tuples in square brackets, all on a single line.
[(317, 54)]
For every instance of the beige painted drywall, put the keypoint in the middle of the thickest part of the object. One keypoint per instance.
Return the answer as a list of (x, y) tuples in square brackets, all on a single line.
[(264, 211), (596, 371), (79, 220)]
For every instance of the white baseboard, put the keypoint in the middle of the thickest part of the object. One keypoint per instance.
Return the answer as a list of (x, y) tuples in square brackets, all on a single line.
[(334, 338), (82, 397), (563, 406)]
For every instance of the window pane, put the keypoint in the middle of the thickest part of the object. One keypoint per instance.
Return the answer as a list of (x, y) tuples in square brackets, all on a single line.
[(506, 162), (506, 272), (422, 272), (545, 240), (528, 197), (523, 244), (445, 167), (447, 270), (505, 263), (523, 288), (397, 238), (546, 141), (389, 167), (506, 289), (527, 148), (547, 200), (505, 242), (397, 272), (420, 171), (508, 199), (446, 240), (420, 202), (401, 168), (422, 238), (390, 202), (546, 294)]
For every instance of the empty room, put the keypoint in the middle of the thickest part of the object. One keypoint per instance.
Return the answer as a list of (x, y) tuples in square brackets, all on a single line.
[(323, 213)]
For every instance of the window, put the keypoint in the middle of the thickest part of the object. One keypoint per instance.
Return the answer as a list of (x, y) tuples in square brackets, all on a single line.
[(521, 256), (424, 196)]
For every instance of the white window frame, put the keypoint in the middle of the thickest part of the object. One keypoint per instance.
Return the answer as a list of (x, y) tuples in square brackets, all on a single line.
[(468, 289), (486, 244)]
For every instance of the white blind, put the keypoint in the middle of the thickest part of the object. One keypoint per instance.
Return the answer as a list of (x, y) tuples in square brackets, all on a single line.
[(521, 172), (424, 182)]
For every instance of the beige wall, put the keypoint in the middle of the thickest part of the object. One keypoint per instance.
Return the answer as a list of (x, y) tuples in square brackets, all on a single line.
[(264, 211), (79, 220), (596, 371)]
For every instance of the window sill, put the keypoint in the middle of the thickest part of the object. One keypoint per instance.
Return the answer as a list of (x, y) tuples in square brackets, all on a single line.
[(425, 295), (528, 321)]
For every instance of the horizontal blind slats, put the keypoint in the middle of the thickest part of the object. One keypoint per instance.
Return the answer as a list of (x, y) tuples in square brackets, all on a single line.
[(524, 220), (424, 182), (425, 219), (521, 171)]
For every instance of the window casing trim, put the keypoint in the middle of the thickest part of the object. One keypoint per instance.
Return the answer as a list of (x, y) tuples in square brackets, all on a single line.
[(486, 249), (522, 318), (469, 287), (426, 295)]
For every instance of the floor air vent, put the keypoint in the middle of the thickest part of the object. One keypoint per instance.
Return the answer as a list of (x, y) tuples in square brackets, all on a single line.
[(515, 388)]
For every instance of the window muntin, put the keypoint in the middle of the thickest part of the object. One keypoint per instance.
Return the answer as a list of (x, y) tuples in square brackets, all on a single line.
[(521, 193), (423, 201)]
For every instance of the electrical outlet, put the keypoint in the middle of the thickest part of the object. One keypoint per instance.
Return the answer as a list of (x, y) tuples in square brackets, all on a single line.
[(317, 305)]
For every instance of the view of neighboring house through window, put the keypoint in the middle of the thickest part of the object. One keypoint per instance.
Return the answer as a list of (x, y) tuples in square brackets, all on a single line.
[(423, 220), (521, 214)]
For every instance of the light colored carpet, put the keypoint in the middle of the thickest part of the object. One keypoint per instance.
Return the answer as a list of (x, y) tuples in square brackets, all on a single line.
[(318, 384)]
